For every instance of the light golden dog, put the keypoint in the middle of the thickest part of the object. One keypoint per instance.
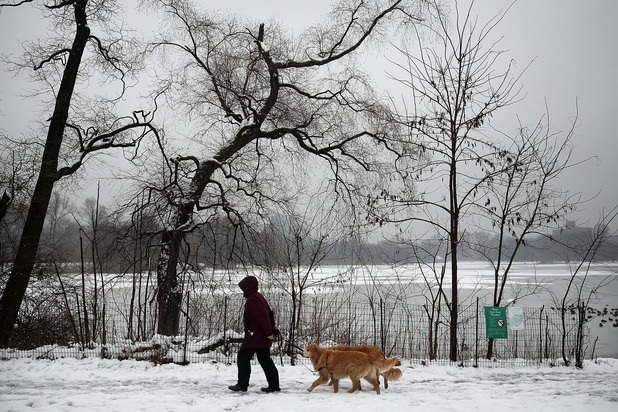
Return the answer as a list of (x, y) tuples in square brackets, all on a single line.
[(341, 364), (377, 353)]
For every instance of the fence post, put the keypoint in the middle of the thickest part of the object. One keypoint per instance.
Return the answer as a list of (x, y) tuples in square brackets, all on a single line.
[(382, 324), (476, 338), (184, 354), (516, 343), (225, 346), (547, 336), (79, 320), (541, 334)]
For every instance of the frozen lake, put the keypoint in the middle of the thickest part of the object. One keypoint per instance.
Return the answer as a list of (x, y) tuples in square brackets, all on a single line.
[(528, 285), (531, 285)]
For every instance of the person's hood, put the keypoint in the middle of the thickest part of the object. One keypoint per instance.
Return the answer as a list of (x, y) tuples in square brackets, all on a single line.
[(248, 285)]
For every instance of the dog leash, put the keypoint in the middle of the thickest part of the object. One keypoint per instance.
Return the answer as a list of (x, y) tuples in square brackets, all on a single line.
[(315, 371), (283, 339), (290, 343)]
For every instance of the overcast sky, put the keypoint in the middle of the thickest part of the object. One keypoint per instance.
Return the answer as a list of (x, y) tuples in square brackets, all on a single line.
[(574, 47), (573, 43)]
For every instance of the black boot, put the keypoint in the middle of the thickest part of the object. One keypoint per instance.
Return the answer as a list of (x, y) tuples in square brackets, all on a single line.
[(238, 388), (269, 389)]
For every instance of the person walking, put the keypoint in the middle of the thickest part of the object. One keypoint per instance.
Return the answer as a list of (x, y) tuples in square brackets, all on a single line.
[(260, 331)]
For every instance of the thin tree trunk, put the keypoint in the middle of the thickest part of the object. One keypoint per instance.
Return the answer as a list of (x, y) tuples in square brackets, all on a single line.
[(454, 308), (95, 303), (454, 240), (95, 297), (66, 305), (490, 348), (134, 286), (85, 307)]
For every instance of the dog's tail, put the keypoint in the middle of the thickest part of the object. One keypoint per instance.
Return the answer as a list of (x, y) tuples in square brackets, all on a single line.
[(393, 374), (386, 365)]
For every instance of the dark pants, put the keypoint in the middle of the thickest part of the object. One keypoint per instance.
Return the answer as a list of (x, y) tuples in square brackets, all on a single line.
[(244, 366)]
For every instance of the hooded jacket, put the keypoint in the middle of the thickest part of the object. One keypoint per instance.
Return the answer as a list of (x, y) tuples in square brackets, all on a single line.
[(258, 318)]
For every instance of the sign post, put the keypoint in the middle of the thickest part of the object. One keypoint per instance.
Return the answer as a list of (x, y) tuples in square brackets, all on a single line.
[(495, 322)]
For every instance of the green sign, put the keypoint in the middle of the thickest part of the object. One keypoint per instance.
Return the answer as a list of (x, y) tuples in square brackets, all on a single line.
[(495, 322)]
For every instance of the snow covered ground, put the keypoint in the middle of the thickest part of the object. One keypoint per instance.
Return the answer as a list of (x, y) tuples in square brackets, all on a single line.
[(112, 385)]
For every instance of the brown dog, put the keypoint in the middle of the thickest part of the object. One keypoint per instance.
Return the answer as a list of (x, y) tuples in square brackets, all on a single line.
[(375, 352), (342, 364)]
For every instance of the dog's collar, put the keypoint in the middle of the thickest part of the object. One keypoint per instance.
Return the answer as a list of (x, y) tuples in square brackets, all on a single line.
[(325, 364)]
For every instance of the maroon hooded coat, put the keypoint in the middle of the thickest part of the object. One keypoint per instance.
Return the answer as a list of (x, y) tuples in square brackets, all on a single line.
[(258, 318)]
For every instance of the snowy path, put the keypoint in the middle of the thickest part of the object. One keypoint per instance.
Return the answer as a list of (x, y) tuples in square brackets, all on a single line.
[(110, 385)]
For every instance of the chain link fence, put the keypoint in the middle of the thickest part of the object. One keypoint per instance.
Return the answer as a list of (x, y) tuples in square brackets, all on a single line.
[(211, 330)]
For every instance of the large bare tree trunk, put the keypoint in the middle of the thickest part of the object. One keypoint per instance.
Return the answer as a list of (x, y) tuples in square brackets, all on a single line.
[(4, 204), (15, 290), (169, 296)]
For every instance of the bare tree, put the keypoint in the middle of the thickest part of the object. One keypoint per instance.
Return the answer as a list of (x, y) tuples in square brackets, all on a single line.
[(58, 215), (12, 166), (253, 94), (292, 248), (16, 175), (78, 126), (581, 289), (524, 200), (433, 272), (455, 87)]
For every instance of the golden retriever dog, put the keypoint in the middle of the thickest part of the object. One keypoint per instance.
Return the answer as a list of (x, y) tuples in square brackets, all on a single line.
[(375, 352), (342, 364)]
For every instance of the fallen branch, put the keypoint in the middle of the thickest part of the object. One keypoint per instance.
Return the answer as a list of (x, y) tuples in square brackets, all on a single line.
[(220, 342)]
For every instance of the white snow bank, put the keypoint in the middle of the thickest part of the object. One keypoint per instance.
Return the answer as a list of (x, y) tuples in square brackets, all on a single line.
[(111, 385)]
